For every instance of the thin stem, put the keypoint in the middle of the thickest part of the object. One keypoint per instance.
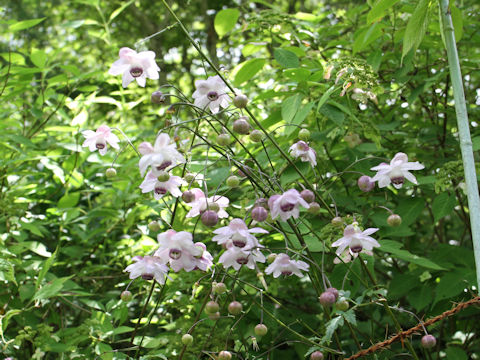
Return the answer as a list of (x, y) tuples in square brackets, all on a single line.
[(463, 130)]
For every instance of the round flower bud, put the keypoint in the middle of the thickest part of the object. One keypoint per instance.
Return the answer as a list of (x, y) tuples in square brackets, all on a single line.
[(241, 126), (157, 97), (259, 214), (261, 330), (394, 220), (316, 355), (240, 101), (314, 208), (235, 308), (126, 296), (188, 196), (327, 298), (429, 341), (271, 258), (209, 218), (154, 225), (214, 316), (342, 305), (337, 221), (307, 195), (256, 136), (365, 183), (333, 291), (211, 307), (110, 173), (189, 177), (187, 339), (233, 181), (223, 139), (213, 206), (224, 355), (219, 288), (304, 135), (163, 176)]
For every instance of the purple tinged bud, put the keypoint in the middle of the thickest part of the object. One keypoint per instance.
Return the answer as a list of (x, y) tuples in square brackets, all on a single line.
[(307, 195), (241, 125), (314, 208), (261, 330), (224, 355), (188, 196), (394, 220), (126, 296), (235, 308), (259, 214), (240, 101), (429, 341), (365, 183), (209, 218), (337, 221), (211, 307), (316, 355), (334, 291), (157, 97), (327, 298)]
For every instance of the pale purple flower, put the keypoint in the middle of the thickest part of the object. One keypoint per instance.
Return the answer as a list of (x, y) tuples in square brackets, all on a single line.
[(348, 255), (283, 265), (301, 150), (204, 259), (135, 66), (148, 267), (356, 239), (160, 156), (396, 171), (211, 93), (178, 249), (161, 188), (239, 233), (286, 205), (99, 139), (236, 257), (202, 203)]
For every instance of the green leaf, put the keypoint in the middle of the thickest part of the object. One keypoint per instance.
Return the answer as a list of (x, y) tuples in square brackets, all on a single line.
[(298, 74), (51, 289), (46, 266), (69, 200), (450, 285), (25, 24), (394, 248), (286, 58), (247, 70), (39, 58), (225, 21), (325, 97), (379, 9), (457, 21), (456, 353), (410, 210), (333, 114), (333, 325), (290, 107), (300, 117), (443, 205), (7, 271), (117, 11), (415, 28), (365, 37)]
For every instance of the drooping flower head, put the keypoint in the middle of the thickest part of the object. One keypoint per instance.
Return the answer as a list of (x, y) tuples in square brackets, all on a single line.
[(160, 188), (396, 172), (237, 257), (239, 233), (286, 205), (148, 267), (304, 152), (356, 239), (160, 156), (201, 203), (211, 93), (135, 66), (99, 139), (283, 265)]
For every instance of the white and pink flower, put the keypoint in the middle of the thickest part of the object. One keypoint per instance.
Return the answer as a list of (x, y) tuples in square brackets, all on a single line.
[(160, 156), (201, 203), (348, 255), (396, 172), (99, 139), (286, 205), (239, 234), (148, 267), (356, 240), (160, 188), (135, 66), (301, 150), (283, 265), (211, 93)]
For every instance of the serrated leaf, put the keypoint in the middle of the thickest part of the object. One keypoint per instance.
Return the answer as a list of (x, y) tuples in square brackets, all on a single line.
[(379, 9), (333, 325), (350, 317), (25, 24), (286, 58), (416, 28), (290, 107), (443, 205), (248, 70), (225, 21)]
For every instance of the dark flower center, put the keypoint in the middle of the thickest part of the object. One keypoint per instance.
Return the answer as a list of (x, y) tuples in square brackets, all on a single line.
[(398, 180), (175, 254), (160, 190), (356, 248), (242, 261), (287, 207), (212, 95), (136, 71), (163, 165), (147, 276), (239, 243), (287, 272), (100, 145)]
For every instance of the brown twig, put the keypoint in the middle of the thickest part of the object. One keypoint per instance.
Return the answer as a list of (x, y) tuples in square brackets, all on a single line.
[(402, 335)]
